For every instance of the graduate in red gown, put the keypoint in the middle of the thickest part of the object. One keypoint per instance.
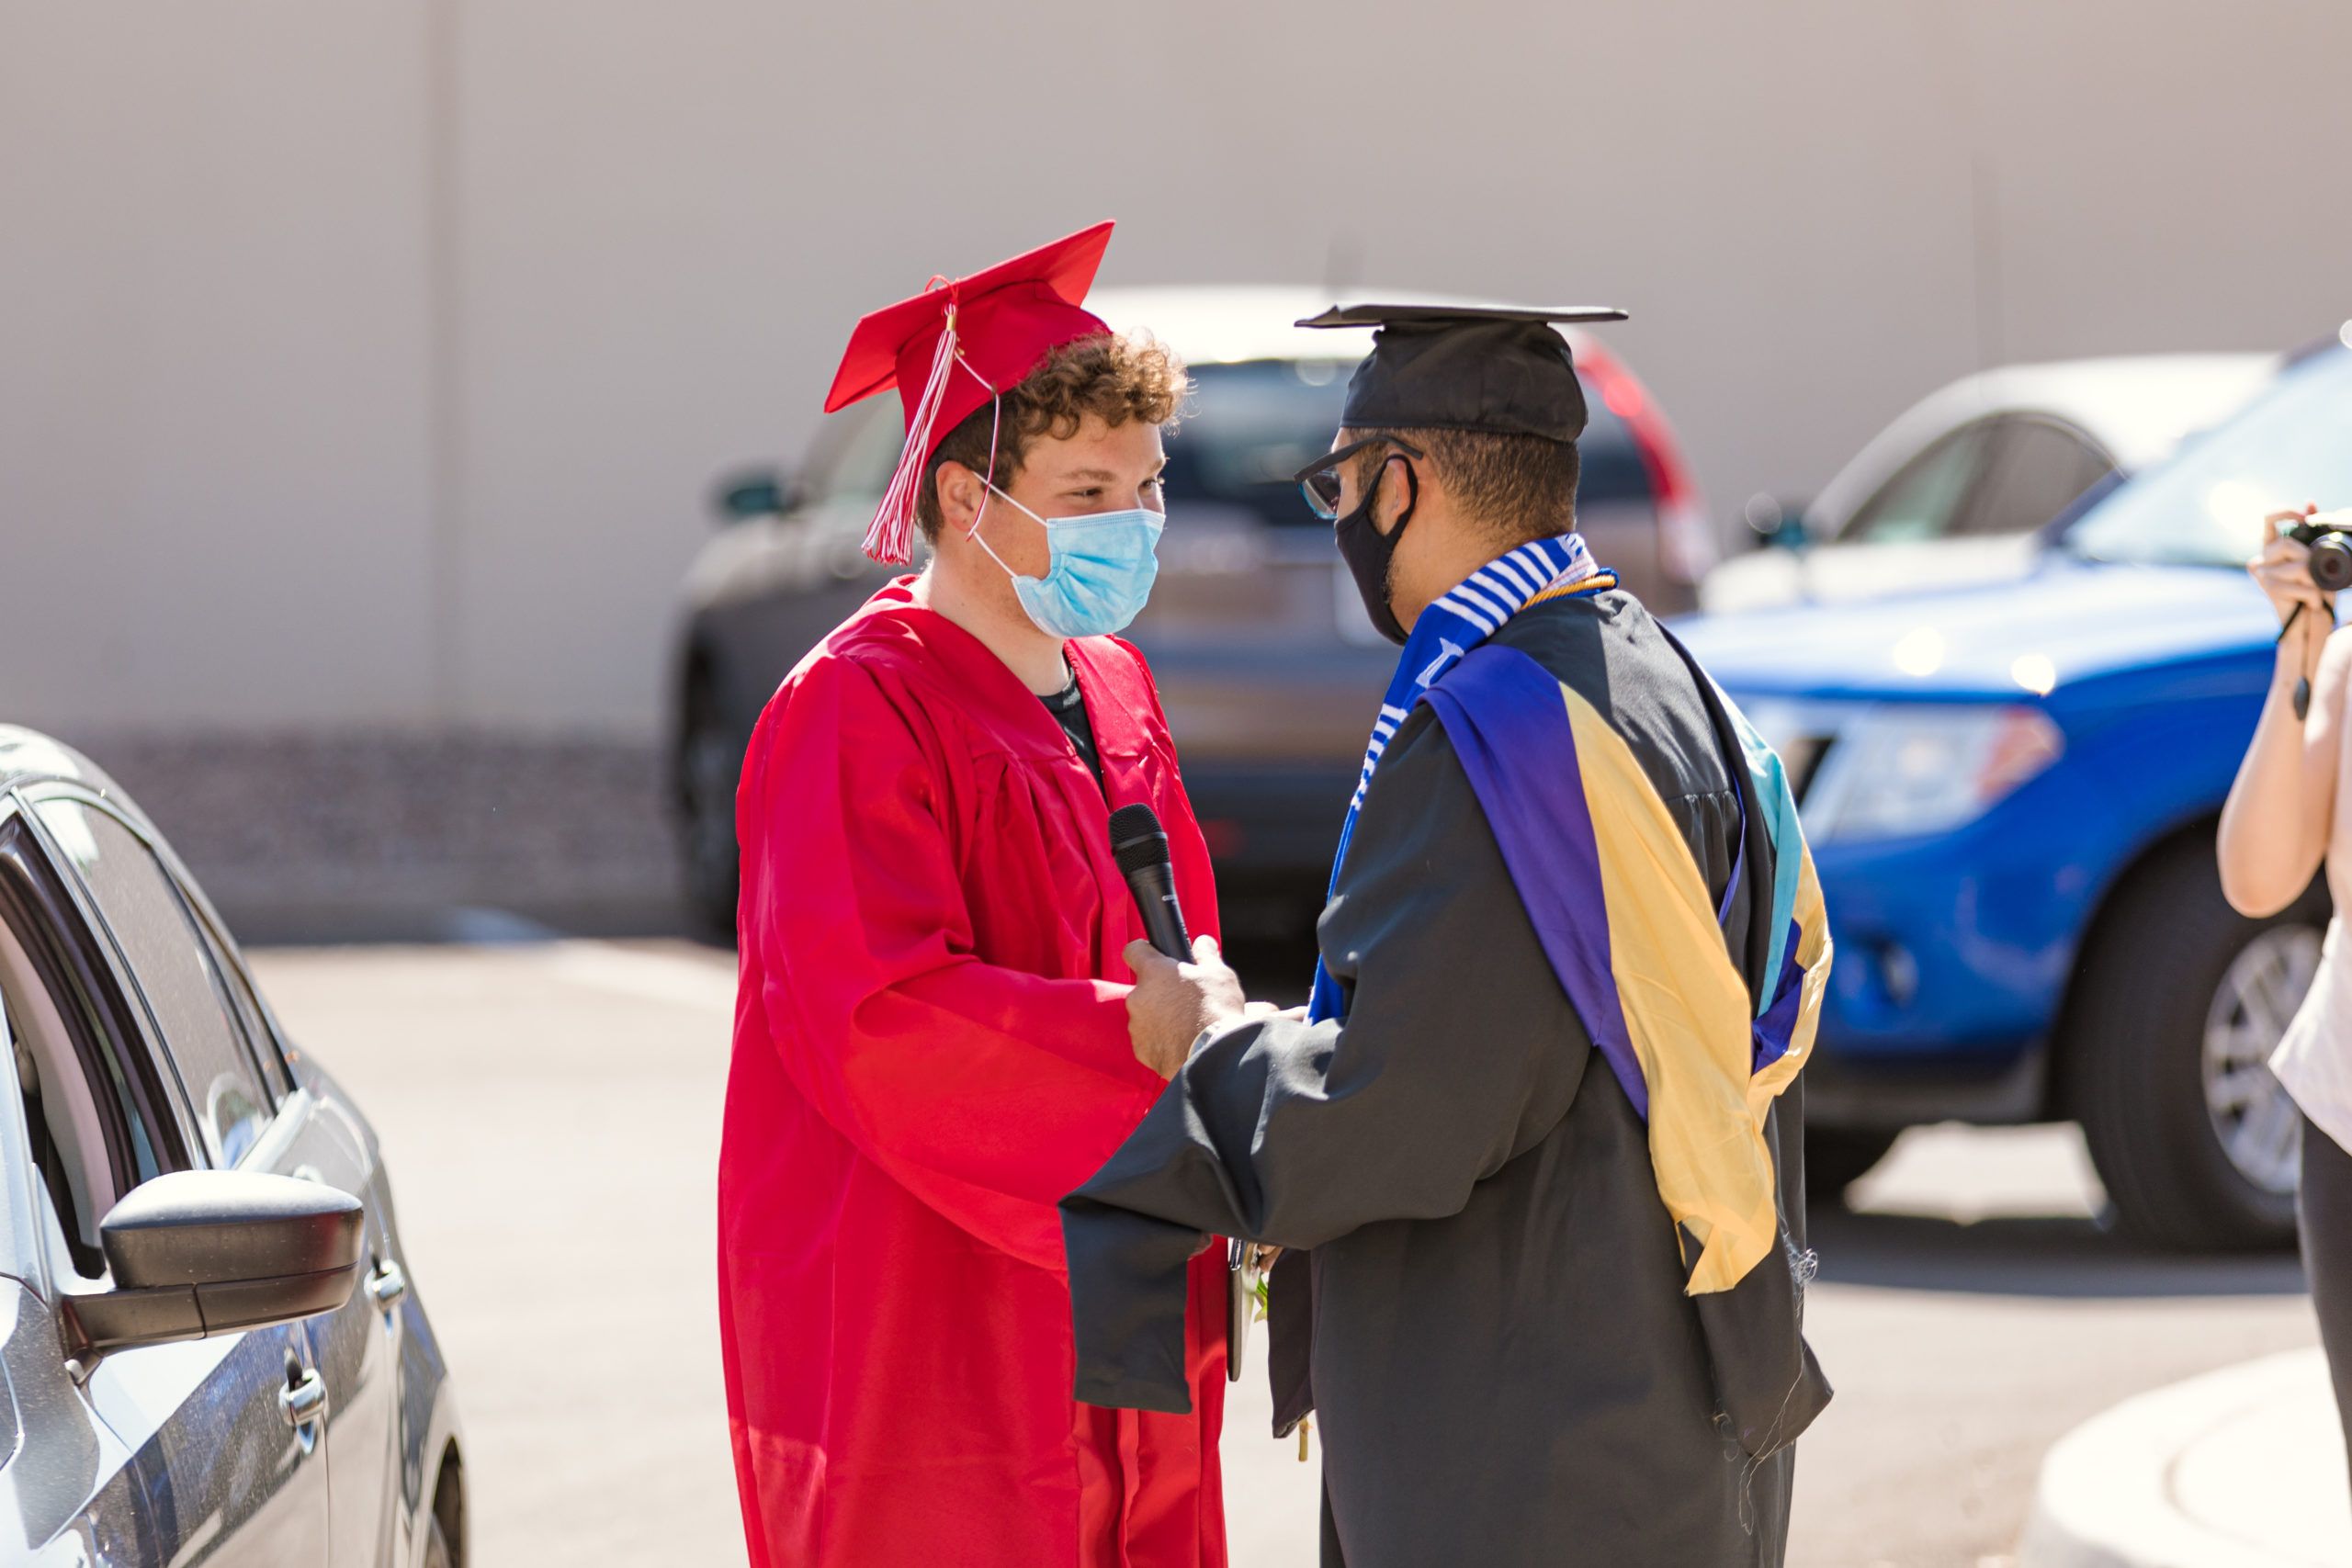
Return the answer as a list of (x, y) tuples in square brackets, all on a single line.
[(931, 1031)]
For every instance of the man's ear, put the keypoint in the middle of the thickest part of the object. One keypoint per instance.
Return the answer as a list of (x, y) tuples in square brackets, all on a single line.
[(1396, 492), (961, 492)]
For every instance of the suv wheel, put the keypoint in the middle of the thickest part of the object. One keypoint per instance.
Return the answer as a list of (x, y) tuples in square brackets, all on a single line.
[(710, 759), (2182, 1001)]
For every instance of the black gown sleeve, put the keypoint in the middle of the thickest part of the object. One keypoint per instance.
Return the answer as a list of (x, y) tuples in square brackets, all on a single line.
[(1450, 1062)]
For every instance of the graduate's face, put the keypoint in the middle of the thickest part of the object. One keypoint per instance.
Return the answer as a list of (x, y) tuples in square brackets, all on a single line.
[(1101, 467)]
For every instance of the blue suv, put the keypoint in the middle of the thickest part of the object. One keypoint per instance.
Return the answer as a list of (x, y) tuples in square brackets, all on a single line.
[(2011, 792)]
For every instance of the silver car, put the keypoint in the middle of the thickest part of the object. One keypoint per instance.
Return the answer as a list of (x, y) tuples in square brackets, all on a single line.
[(1963, 487), (209, 1347)]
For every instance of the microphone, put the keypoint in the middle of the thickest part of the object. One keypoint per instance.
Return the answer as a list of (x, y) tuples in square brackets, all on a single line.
[(1140, 846)]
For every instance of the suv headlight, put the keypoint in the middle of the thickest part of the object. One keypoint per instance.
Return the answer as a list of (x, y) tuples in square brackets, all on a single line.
[(1904, 769)]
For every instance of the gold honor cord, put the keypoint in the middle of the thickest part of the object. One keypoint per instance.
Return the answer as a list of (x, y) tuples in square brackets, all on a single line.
[(1582, 585)]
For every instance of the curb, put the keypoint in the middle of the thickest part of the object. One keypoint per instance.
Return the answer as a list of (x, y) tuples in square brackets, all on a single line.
[(2241, 1468)]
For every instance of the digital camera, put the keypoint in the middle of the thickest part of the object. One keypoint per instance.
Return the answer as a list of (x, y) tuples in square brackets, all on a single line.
[(2331, 562)]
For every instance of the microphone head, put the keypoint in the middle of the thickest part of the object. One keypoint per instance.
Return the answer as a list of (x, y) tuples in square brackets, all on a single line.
[(1137, 839)]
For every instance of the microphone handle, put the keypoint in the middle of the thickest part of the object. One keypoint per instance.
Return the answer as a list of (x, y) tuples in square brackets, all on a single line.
[(1163, 918)]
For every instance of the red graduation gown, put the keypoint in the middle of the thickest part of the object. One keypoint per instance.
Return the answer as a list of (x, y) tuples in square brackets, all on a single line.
[(931, 1049)]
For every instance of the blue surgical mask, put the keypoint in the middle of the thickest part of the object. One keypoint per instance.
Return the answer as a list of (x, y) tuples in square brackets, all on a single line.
[(1100, 573)]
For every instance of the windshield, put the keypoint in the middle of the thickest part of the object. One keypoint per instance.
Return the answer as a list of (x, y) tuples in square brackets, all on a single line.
[(2205, 508), (1247, 428), (1250, 426)]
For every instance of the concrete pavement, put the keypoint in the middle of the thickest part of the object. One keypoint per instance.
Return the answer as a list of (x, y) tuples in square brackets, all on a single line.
[(550, 1112), (2241, 1468)]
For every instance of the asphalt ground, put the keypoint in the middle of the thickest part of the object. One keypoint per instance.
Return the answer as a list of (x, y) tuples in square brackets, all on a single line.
[(551, 1113)]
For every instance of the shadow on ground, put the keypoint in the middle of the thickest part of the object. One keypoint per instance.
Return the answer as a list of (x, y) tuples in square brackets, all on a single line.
[(2037, 1255)]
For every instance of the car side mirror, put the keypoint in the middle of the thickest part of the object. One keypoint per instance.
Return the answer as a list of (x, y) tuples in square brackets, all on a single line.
[(1777, 523), (203, 1252), (755, 492)]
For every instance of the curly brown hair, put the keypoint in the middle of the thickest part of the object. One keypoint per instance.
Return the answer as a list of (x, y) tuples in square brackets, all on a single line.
[(1115, 378)]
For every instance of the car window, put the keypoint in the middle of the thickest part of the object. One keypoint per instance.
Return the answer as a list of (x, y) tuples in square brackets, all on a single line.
[(1925, 498), (2205, 507), (94, 1111), (2038, 468), (867, 455), (164, 947), (1247, 428), (1250, 426), (250, 1014), (73, 1183)]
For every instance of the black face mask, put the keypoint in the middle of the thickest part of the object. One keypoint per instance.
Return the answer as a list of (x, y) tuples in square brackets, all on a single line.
[(1368, 551)]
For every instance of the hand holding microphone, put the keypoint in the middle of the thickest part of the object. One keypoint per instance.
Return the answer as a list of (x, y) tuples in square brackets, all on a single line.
[(1173, 1004), (1183, 987)]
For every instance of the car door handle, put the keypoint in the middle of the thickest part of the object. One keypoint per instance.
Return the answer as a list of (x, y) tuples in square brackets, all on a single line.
[(306, 1401), (387, 1285)]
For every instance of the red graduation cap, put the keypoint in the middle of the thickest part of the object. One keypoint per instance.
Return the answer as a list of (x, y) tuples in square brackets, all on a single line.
[(954, 347)]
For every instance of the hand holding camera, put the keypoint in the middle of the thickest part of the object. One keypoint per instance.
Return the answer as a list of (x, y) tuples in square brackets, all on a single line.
[(2328, 534), (2306, 556)]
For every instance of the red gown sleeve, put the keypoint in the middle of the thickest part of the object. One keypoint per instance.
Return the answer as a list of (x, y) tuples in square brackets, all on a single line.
[(988, 1092)]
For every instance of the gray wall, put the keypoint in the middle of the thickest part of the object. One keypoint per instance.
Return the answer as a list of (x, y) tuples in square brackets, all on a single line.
[(367, 364)]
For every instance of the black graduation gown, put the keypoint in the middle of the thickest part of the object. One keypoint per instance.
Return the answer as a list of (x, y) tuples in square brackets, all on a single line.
[(1490, 1324)]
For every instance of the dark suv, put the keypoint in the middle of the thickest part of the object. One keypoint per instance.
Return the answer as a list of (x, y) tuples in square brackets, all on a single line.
[(1266, 663)]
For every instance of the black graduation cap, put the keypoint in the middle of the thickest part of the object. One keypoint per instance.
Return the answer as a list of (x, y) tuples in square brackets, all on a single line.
[(1499, 368)]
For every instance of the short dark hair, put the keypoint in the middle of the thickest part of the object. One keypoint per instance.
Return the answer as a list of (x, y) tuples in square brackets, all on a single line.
[(1519, 487), (1115, 378)]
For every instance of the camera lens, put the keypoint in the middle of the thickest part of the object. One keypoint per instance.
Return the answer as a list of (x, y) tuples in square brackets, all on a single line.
[(2332, 563)]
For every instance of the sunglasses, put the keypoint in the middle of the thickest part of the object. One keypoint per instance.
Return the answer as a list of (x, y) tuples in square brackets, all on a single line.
[(1320, 481)]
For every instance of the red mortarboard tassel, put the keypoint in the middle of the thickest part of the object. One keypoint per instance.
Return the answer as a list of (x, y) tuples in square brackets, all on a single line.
[(891, 537), (998, 324)]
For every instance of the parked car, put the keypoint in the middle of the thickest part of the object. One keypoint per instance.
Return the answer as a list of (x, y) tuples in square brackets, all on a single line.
[(209, 1347), (2012, 792), (1267, 665), (1960, 487)]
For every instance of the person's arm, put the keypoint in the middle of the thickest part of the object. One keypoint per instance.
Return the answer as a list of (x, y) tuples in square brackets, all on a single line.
[(2275, 825), (986, 1091), (1459, 1052)]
